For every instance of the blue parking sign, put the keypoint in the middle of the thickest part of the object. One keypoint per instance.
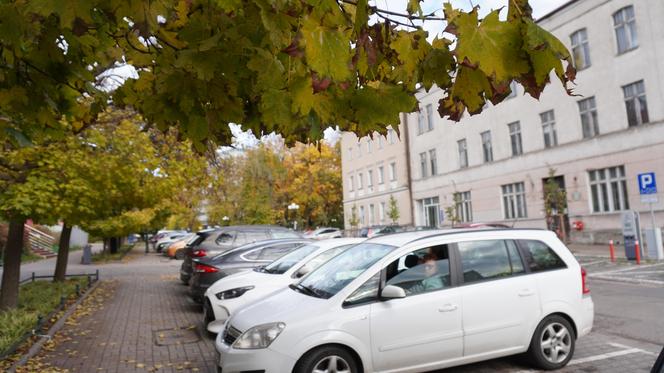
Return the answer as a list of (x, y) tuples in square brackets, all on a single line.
[(647, 183)]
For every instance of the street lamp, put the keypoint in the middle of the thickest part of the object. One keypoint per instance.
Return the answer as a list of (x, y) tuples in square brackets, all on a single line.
[(294, 207)]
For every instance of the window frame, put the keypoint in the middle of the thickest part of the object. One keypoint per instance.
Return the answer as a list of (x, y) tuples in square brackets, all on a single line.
[(487, 151), (522, 248), (589, 112), (464, 206), (429, 114), (424, 165), (635, 98), (630, 28), (457, 268), (462, 150), (548, 119), (608, 181), (393, 171), (516, 142), (433, 162), (583, 46), (515, 195)]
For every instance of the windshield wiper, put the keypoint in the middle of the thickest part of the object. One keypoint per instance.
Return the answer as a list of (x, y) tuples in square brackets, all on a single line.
[(304, 290)]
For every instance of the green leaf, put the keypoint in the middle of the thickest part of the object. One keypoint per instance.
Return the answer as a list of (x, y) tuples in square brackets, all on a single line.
[(378, 106), (303, 96), (361, 16), (327, 50), (276, 108), (467, 92), (414, 7), (436, 68)]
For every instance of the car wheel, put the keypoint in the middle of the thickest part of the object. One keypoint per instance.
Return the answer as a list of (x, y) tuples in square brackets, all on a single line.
[(327, 359), (179, 254), (552, 346)]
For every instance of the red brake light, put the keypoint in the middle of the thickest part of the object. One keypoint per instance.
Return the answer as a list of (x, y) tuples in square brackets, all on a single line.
[(584, 284), (202, 268), (198, 253)]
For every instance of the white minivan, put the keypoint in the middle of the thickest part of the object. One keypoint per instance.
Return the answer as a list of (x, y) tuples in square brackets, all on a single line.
[(419, 301)]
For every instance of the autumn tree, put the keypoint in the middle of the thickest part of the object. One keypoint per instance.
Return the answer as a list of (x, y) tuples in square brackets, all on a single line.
[(393, 210)]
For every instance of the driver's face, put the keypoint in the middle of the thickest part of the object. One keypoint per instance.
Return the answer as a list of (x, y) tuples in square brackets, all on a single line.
[(430, 267)]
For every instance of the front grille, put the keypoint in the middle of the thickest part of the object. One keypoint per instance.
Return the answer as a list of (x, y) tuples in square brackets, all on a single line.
[(231, 334)]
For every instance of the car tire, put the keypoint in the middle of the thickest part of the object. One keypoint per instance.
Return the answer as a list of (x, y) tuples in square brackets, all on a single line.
[(319, 359), (553, 336), (179, 254)]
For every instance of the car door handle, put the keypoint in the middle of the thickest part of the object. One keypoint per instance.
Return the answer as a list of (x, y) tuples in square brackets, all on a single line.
[(448, 308), (526, 293)]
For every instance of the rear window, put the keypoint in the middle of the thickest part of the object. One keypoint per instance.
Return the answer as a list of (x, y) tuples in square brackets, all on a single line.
[(490, 259), (540, 257)]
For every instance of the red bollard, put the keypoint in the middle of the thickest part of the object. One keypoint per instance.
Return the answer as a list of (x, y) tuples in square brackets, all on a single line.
[(612, 251), (637, 252)]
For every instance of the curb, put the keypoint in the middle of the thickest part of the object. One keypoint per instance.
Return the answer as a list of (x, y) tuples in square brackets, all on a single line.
[(35, 348)]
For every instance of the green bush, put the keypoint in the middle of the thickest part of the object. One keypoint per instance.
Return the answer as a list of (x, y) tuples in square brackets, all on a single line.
[(34, 299)]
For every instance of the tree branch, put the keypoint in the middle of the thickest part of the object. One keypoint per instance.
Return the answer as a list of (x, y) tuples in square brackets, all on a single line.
[(376, 10)]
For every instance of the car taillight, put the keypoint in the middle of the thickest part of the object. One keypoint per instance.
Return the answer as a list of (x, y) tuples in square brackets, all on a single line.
[(202, 268), (584, 283), (198, 253)]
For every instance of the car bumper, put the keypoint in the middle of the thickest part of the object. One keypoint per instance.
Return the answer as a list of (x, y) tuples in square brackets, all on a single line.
[(587, 317), (197, 292), (232, 360)]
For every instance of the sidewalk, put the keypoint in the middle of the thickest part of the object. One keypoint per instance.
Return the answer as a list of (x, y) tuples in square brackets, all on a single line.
[(595, 250)]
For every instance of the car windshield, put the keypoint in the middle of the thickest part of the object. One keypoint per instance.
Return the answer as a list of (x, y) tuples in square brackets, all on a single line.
[(287, 261), (328, 279)]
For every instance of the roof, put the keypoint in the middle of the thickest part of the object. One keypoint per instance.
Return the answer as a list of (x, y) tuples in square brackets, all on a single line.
[(401, 239), (335, 242), (558, 9)]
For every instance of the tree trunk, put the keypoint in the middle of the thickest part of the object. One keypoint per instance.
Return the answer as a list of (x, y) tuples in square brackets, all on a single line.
[(63, 254), (147, 247), (12, 265), (114, 245)]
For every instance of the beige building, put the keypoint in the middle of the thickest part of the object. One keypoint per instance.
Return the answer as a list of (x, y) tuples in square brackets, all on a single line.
[(373, 170), (596, 143)]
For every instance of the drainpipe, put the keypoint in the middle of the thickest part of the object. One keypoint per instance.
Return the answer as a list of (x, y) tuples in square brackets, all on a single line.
[(404, 120)]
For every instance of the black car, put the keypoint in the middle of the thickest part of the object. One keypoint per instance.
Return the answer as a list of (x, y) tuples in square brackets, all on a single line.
[(218, 240), (207, 270)]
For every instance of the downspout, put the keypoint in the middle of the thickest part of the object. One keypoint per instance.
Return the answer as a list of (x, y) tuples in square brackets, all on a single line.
[(409, 179)]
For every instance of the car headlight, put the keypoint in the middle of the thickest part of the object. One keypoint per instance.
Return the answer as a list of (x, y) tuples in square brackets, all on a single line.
[(233, 293), (260, 336)]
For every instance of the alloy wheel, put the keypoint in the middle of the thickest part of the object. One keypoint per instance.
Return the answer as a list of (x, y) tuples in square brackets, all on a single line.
[(332, 364), (556, 343)]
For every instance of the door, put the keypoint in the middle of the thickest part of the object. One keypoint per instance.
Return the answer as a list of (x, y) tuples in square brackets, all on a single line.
[(423, 329), (500, 302), (555, 206)]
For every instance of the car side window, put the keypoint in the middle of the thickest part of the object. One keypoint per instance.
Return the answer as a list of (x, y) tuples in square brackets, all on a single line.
[(488, 259), (421, 271), (254, 236), (272, 253), (366, 293), (515, 257), (540, 257), (225, 238)]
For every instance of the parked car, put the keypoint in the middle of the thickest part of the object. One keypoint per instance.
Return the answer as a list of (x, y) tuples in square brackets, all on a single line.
[(207, 270), (480, 225), (227, 238), (379, 230), (419, 301), (323, 233), (177, 248), (165, 241), (231, 293)]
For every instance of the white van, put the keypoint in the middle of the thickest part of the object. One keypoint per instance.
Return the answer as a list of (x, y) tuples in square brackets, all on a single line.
[(419, 301)]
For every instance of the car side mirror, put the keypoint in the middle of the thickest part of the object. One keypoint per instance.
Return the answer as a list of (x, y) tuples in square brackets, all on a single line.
[(392, 292), (303, 271)]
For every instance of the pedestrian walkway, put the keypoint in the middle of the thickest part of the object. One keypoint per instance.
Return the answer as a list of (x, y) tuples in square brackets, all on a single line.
[(148, 324)]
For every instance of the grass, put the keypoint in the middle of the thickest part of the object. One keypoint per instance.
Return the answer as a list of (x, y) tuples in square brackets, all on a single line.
[(35, 299), (29, 257), (106, 256)]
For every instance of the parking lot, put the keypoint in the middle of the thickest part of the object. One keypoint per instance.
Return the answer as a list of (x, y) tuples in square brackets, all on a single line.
[(148, 324)]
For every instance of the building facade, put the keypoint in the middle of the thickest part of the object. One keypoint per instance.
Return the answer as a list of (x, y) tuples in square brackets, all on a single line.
[(374, 170), (493, 167)]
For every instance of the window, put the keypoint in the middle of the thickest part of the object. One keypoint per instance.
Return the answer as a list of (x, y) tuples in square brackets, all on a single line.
[(381, 178), (382, 211), (463, 153), (421, 271), (514, 201), (539, 257), (490, 259), (226, 238), (433, 161), (351, 183), (513, 89), (272, 253), (608, 189), (423, 165), (393, 171), (549, 129), (362, 215), (369, 145), (486, 146), (464, 209), (391, 136), (429, 117), (580, 49), (359, 181), (372, 214), (366, 293), (370, 179), (625, 25), (515, 138), (588, 112), (430, 208), (420, 122), (635, 103)]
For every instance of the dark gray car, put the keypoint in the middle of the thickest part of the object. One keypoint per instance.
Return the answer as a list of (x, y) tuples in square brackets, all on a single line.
[(217, 241), (207, 270)]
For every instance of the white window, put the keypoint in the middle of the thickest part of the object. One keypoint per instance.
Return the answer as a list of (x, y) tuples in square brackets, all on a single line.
[(391, 136), (381, 208), (580, 49), (369, 178), (381, 178), (359, 181), (430, 211), (372, 214), (515, 138), (362, 215), (624, 23), (463, 153), (464, 208), (635, 103), (429, 117), (423, 165), (487, 150), (393, 171), (433, 161), (421, 125), (589, 122), (351, 183), (608, 189), (549, 129), (514, 201)]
